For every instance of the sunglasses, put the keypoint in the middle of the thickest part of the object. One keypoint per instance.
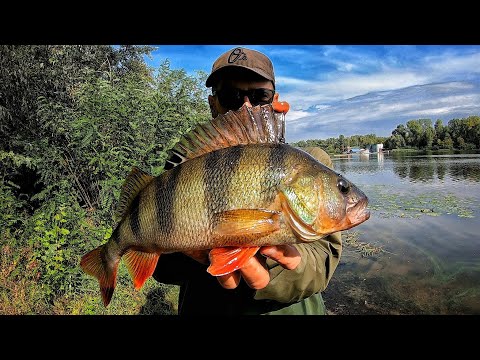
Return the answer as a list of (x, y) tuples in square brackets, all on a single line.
[(232, 98)]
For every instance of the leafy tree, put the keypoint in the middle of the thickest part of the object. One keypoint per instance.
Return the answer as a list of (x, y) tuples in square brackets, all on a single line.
[(74, 120), (28, 72), (402, 131), (439, 129), (448, 142), (416, 131), (395, 142), (472, 128)]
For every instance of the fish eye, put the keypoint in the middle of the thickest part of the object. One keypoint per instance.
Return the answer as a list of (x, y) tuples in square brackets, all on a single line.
[(343, 185)]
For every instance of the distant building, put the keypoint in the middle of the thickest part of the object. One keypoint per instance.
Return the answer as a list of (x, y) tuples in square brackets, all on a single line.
[(374, 148)]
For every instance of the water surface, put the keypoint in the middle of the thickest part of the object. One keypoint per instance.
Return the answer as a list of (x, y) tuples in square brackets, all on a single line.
[(425, 210)]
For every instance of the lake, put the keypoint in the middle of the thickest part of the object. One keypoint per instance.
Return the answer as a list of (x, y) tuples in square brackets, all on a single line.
[(419, 253)]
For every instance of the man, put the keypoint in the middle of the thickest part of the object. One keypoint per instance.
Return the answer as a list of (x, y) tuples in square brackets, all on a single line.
[(285, 279)]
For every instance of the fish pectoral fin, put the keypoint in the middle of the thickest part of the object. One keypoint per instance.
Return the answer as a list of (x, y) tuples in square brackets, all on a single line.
[(140, 265), (225, 260), (246, 222), (240, 226)]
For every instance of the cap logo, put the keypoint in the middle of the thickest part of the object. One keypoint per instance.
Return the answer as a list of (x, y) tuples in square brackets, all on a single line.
[(235, 55)]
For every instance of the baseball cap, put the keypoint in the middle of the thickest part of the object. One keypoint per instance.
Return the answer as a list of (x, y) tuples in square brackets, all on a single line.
[(244, 58)]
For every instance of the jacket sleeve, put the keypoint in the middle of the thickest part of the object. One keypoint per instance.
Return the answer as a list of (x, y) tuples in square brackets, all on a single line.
[(319, 260)]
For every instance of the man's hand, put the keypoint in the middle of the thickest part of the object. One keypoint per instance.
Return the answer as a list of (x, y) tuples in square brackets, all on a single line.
[(255, 272)]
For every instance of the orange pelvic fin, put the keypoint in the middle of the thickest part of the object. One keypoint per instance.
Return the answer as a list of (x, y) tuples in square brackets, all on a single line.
[(246, 222), (140, 265), (225, 260), (92, 263)]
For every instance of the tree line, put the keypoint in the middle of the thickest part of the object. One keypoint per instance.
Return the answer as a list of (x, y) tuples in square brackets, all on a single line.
[(460, 134)]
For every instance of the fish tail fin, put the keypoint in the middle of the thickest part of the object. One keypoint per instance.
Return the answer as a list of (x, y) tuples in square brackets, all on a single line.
[(94, 263), (140, 265)]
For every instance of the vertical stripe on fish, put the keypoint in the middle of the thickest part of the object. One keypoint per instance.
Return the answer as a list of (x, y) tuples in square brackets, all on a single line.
[(218, 183), (134, 218), (165, 199), (277, 159)]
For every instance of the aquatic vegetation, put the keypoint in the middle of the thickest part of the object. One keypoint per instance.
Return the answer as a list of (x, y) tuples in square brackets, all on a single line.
[(389, 204), (350, 238)]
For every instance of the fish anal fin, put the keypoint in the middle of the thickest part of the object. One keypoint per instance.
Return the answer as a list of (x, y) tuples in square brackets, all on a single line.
[(246, 222), (224, 260), (140, 265), (135, 182)]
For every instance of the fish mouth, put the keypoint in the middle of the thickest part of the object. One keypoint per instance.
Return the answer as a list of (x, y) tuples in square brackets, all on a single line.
[(359, 212)]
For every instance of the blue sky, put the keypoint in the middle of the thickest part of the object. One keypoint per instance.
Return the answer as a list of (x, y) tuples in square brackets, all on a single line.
[(356, 89)]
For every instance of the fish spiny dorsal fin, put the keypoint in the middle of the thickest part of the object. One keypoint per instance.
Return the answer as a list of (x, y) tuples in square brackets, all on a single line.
[(247, 125), (134, 183)]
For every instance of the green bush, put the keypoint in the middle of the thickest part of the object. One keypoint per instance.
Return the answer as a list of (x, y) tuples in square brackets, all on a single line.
[(87, 115)]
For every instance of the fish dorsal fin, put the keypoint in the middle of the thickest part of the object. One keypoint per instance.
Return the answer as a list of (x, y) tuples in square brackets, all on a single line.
[(247, 125), (134, 183)]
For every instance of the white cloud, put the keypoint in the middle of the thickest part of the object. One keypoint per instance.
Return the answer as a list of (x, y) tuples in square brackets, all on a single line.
[(293, 114), (443, 65), (309, 93), (360, 72), (379, 113)]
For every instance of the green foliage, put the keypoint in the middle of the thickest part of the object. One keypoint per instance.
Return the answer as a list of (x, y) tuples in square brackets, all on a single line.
[(74, 120), (463, 134), (52, 71), (117, 125)]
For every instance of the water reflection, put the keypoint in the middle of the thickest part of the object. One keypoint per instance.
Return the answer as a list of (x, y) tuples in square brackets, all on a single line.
[(380, 157), (429, 169), (364, 157), (345, 162), (441, 170), (465, 171), (432, 260), (413, 168), (421, 171)]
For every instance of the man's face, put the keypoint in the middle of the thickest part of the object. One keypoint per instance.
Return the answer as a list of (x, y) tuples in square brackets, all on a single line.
[(232, 93)]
